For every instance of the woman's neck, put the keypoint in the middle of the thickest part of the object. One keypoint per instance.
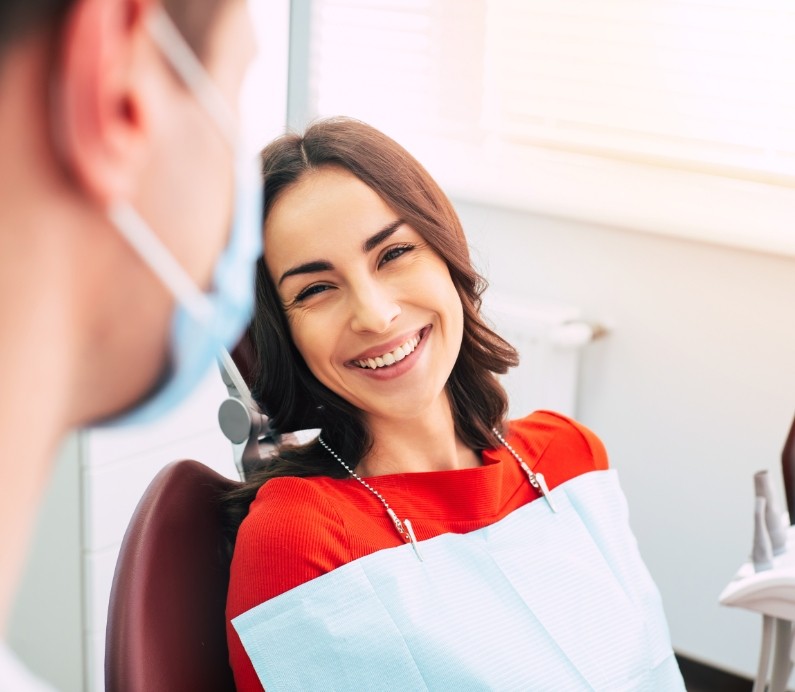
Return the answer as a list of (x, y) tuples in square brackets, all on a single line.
[(427, 442)]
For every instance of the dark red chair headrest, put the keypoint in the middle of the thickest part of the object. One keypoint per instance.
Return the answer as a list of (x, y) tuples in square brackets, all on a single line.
[(166, 625), (245, 357)]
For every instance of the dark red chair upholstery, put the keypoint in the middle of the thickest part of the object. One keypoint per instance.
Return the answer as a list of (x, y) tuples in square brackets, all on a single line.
[(166, 628), (245, 357)]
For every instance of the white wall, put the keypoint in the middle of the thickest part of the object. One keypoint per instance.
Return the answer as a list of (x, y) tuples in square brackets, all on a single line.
[(692, 392)]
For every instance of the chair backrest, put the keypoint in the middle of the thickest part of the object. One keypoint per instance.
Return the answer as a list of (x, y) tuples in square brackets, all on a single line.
[(166, 624), (245, 357)]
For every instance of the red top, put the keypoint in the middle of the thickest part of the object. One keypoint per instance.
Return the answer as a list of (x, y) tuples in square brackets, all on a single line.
[(300, 528)]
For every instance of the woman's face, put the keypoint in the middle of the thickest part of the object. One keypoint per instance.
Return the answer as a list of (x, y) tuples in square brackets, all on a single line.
[(371, 306)]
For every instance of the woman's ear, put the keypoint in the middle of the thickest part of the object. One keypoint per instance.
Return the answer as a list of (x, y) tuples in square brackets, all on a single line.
[(99, 115)]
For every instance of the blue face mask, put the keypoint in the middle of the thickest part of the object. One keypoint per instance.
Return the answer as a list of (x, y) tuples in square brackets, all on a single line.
[(203, 323)]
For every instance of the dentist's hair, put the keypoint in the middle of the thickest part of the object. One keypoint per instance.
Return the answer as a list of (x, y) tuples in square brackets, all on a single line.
[(20, 18), (284, 386)]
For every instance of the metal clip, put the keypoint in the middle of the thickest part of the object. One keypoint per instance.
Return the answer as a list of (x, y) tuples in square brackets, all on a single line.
[(398, 524), (413, 538), (406, 532), (545, 490), (539, 483)]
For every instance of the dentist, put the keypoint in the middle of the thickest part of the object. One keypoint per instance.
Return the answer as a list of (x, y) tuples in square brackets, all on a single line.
[(129, 224)]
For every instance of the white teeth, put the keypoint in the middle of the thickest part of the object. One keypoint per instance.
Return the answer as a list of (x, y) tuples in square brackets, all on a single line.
[(392, 357)]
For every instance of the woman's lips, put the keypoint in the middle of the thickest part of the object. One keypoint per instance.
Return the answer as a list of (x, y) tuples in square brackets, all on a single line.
[(407, 342), (390, 357), (383, 368)]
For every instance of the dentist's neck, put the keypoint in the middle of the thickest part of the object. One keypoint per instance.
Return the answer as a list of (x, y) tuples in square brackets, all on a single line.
[(35, 374)]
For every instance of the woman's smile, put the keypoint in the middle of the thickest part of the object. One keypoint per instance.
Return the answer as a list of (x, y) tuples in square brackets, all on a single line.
[(384, 363)]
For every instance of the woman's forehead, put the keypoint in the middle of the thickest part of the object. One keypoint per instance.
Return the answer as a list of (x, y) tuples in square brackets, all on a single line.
[(326, 209)]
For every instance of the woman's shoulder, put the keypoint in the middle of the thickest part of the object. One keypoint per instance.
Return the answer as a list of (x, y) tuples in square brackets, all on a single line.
[(292, 534), (292, 510), (559, 446), (310, 493)]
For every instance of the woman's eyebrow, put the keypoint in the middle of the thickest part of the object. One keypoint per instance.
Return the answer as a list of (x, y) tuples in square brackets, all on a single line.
[(376, 239), (316, 266), (308, 268)]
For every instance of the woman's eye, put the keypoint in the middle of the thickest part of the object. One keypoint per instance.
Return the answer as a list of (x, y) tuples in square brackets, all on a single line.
[(394, 252), (310, 291)]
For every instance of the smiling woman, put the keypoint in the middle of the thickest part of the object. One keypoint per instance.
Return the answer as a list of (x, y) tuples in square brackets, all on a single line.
[(351, 219), (399, 549), (371, 306)]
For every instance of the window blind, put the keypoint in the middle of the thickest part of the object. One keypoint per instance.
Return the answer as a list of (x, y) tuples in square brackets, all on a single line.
[(698, 87), (411, 66), (690, 83)]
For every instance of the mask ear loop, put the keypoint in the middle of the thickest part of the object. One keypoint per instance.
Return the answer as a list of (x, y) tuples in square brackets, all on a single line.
[(130, 224), (138, 234), (183, 60), (239, 416)]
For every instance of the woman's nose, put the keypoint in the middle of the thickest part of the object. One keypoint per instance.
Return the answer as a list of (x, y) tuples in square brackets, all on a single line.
[(374, 309)]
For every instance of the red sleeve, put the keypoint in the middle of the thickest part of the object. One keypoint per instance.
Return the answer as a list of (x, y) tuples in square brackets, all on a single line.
[(559, 447), (292, 534)]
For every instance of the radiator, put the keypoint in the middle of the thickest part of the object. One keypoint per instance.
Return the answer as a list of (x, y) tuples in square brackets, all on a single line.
[(549, 339)]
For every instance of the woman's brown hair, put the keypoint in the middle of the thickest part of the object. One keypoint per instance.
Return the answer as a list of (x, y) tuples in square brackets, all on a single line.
[(284, 387)]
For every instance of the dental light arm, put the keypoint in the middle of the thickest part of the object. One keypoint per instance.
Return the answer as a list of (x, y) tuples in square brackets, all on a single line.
[(242, 422)]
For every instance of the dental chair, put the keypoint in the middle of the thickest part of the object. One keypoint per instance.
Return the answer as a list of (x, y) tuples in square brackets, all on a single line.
[(166, 625)]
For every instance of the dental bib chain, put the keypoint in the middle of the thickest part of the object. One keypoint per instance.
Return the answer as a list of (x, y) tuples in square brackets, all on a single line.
[(406, 532), (404, 527), (536, 479)]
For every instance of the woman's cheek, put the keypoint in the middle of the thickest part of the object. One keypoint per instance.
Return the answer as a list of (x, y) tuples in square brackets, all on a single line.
[(312, 337)]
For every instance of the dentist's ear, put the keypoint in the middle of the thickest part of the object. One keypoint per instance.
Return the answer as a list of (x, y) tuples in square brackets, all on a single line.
[(99, 113)]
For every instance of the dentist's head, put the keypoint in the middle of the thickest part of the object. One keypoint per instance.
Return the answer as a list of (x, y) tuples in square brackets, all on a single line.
[(129, 220), (138, 149)]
